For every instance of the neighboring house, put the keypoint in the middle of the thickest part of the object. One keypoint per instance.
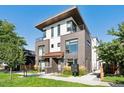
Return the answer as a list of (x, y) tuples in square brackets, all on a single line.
[(66, 40), (95, 61), (29, 61), (30, 58)]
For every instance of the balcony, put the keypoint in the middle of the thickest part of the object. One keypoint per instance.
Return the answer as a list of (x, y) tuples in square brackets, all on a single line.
[(39, 39)]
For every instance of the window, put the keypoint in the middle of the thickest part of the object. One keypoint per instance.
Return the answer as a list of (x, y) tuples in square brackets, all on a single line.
[(58, 30), (52, 45), (71, 26), (58, 44), (72, 46), (52, 31), (44, 34), (41, 50), (88, 43), (72, 61)]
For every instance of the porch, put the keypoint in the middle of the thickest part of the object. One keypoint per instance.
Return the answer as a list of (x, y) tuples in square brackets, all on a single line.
[(52, 62)]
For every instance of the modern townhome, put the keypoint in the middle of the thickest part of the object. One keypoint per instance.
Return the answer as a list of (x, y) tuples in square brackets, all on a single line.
[(95, 61), (66, 40)]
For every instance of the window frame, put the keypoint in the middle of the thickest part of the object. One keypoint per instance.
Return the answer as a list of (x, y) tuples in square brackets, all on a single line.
[(52, 32), (42, 47), (72, 26), (67, 45), (59, 28), (52, 45), (58, 44), (44, 34)]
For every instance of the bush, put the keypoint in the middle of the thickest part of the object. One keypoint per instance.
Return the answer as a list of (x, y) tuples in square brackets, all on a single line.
[(67, 70), (82, 70)]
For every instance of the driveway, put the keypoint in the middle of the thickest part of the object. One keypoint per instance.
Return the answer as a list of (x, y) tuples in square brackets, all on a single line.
[(89, 79)]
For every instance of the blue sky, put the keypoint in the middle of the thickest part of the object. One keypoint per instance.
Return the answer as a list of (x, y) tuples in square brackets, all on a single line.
[(98, 19)]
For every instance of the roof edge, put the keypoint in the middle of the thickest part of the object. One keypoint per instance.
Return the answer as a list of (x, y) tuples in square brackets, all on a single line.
[(49, 18)]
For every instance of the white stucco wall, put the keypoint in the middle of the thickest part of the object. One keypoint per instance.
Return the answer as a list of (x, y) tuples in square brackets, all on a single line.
[(56, 39), (95, 62)]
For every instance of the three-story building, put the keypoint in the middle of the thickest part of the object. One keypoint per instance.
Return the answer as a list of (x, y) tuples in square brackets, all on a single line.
[(66, 40)]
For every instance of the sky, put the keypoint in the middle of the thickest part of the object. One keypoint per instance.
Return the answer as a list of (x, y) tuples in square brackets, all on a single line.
[(99, 19)]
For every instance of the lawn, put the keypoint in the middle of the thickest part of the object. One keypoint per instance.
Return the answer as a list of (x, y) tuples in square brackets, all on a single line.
[(114, 79), (34, 82)]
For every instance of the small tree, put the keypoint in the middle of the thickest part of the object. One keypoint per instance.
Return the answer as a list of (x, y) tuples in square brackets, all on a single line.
[(11, 46)]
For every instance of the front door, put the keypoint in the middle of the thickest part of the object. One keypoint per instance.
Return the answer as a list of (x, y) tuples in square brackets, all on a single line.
[(43, 66), (55, 65)]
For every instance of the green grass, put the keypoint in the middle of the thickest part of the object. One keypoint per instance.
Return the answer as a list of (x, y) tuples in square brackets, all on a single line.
[(114, 79), (34, 82)]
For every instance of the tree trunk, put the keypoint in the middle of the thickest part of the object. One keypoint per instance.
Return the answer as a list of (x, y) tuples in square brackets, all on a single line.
[(25, 71), (101, 72), (10, 73), (117, 72)]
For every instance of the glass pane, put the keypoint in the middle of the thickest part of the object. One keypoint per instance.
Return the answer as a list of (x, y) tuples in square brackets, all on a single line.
[(72, 46)]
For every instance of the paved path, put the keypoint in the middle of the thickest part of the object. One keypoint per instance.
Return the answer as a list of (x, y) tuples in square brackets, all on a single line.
[(89, 79)]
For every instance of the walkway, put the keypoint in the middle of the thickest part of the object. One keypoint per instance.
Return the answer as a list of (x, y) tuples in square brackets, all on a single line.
[(89, 79)]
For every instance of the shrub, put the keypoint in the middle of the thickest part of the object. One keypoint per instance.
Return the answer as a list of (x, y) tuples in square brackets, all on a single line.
[(82, 70), (67, 70)]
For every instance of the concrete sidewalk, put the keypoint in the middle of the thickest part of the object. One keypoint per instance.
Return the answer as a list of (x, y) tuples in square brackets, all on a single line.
[(89, 79)]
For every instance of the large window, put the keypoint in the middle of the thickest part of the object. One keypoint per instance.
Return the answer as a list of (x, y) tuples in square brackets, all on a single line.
[(72, 46), (44, 34), (52, 31), (71, 26), (58, 30), (41, 50)]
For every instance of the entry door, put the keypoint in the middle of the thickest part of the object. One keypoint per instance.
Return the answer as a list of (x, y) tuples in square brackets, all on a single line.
[(43, 66)]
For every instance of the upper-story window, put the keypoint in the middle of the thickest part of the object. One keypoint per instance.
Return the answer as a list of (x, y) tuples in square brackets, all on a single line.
[(52, 45), (59, 30), (88, 43), (52, 31), (41, 50), (72, 46), (44, 34), (71, 26)]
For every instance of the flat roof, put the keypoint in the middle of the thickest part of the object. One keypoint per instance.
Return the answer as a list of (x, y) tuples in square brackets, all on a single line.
[(71, 12)]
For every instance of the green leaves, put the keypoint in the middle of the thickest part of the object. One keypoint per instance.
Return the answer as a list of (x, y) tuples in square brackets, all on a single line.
[(11, 45), (113, 52)]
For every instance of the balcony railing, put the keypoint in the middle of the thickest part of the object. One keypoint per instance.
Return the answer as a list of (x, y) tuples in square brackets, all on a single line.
[(40, 39)]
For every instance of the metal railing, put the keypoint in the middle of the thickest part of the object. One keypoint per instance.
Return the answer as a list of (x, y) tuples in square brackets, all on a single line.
[(40, 39)]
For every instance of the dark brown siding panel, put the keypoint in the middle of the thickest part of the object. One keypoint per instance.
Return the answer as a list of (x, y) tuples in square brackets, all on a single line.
[(80, 35), (40, 43), (88, 51)]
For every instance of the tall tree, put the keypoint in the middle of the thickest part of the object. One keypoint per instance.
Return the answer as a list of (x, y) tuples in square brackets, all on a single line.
[(11, 46), (113, 52)]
